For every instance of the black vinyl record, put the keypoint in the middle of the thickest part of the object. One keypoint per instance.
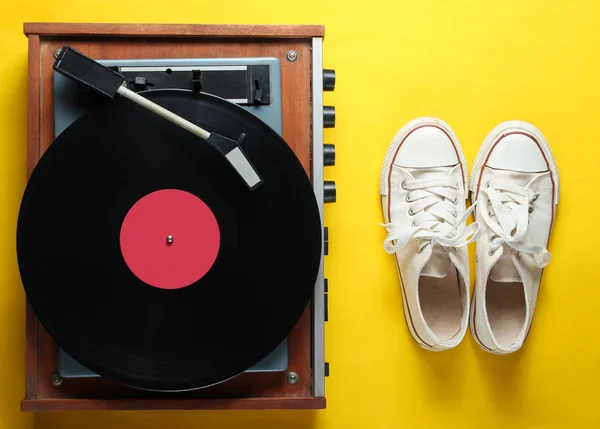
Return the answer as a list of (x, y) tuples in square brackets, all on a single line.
[(88, 233)]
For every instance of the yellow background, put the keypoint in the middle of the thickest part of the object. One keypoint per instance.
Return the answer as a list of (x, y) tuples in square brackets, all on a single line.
[(472, 63)]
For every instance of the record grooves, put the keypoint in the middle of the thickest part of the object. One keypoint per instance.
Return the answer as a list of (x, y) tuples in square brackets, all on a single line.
[(91, 302)]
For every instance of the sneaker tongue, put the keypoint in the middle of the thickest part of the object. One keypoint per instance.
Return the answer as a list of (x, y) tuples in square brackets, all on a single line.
[(504, 269), (516, 177), (430, 172), (438, 265)]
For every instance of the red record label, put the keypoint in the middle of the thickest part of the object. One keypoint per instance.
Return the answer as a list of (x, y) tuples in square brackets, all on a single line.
[(170, 239)]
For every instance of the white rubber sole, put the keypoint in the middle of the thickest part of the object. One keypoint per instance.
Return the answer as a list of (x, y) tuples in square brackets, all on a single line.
[(494, 135), (472, 328), (401, 135), (412, 332), (476, 338)]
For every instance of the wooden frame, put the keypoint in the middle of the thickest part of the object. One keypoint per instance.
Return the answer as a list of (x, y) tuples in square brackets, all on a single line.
[(175, 30), (107, 41)]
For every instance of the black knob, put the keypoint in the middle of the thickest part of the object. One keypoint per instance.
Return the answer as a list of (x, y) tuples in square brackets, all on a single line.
[(329, 193), (328, 117), (328, 80), (328, 155)]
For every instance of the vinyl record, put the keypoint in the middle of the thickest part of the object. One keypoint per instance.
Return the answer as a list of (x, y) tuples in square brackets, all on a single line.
[(146, 257)]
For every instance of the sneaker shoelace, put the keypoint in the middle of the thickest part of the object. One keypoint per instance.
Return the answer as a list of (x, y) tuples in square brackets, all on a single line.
[(433, 206), (508, 219)]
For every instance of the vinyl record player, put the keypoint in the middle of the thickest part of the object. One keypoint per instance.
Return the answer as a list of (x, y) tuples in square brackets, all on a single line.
[(273, 73)]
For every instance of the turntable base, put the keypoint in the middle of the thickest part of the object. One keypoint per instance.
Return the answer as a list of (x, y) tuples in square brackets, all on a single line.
[(297, 49)]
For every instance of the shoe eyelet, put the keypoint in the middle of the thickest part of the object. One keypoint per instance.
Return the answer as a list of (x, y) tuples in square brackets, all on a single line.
[(420, 251), (403, 184), (490, 214), (492, 237), (455, 213), (519, 255), (408, 200), (530, 209), (411, 212), (490, 253), (535, 197), (413, 224), (456, 200), (487, 184)]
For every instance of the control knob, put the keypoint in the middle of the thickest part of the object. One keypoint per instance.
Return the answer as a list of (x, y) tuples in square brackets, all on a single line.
[(328, 117), (329, 192), (328, 155), (328, 80)]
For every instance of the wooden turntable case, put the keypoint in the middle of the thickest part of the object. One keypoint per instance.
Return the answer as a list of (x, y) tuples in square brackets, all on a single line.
[(47, 392)]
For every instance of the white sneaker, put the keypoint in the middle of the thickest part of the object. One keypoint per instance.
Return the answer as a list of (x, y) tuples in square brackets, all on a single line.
[(423, 187), (514, 184)]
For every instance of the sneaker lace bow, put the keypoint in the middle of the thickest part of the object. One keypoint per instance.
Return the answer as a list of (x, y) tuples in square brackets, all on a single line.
[(433, 206), (508, 219)]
